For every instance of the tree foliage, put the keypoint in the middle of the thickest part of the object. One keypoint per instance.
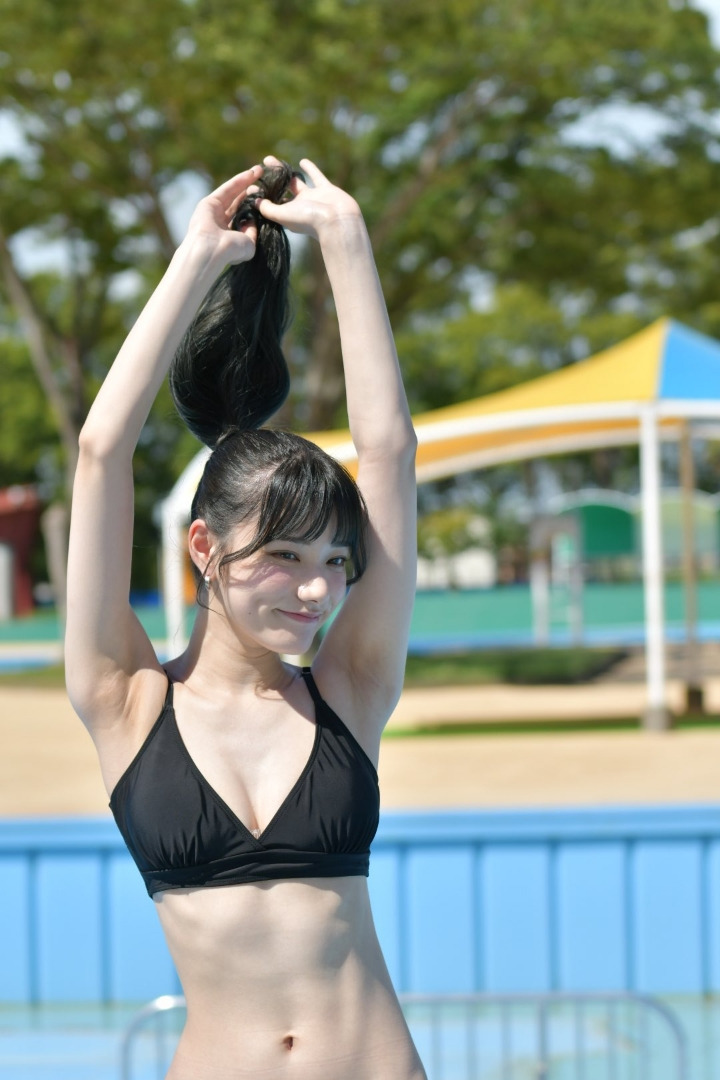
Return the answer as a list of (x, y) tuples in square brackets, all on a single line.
[(512, 235), (27, 445)]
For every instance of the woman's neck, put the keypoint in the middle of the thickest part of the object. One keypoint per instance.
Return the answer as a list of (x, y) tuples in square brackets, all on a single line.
[(217, 659)]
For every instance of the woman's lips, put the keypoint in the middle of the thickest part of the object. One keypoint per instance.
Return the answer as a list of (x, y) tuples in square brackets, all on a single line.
[(303, 617)]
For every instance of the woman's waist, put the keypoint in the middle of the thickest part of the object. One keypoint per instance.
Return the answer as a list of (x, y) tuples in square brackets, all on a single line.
[(304, 1004), (323, 1032), (246, 936)]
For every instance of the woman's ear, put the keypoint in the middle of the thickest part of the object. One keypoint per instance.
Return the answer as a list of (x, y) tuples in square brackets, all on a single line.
[(201, 545)]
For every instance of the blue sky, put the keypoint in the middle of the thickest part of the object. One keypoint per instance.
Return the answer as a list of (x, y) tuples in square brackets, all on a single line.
[(711, 8)]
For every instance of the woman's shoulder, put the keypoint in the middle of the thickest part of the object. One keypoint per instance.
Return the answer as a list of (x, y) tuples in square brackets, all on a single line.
[(363, 703)]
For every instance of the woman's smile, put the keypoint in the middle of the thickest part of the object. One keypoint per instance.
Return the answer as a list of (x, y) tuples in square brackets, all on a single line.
[(303, 616)]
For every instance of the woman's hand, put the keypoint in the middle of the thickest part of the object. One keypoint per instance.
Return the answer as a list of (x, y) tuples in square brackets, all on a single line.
[(314, 210), (210, 222)]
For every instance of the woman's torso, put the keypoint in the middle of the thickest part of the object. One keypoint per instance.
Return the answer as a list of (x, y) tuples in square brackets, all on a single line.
[(284, 978), (282, 974)]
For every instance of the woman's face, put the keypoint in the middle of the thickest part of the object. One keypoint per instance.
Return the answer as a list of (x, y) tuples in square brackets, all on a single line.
[(279, 596)]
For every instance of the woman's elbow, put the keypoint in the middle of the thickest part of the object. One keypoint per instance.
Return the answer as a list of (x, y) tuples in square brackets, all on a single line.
[(100, 442), (398, 444)]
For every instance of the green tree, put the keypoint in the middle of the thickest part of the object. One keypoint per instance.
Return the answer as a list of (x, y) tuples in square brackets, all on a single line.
[(451, 122)]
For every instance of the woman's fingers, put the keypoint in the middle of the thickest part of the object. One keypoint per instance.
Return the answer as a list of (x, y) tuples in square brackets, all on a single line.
[(315, 174), (240, 244), (297, 184), (234, 206), (302, 215), (306, 165), (248, 232), (236, 185), (273, 211), (235, 188)]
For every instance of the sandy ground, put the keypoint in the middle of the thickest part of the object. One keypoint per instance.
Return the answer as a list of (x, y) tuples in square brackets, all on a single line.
[(48, 765), (442, 704)]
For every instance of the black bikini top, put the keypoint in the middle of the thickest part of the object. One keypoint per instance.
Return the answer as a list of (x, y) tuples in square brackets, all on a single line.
[(182, 835)]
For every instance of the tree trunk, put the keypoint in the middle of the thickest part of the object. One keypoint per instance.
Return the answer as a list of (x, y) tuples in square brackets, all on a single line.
[(324, 381), (57, 367), (41, 352)]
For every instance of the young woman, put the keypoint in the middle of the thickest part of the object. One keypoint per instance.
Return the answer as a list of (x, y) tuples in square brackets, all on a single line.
[(244, 786)]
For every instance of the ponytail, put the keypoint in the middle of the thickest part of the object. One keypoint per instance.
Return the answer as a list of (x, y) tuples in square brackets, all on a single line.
[(229, 372)]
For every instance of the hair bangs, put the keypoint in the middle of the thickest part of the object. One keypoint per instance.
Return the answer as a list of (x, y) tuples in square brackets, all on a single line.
[(297, 504), (303, 496)]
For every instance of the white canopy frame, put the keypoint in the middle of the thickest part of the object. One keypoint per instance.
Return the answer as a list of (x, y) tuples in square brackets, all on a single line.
[(650, 423)]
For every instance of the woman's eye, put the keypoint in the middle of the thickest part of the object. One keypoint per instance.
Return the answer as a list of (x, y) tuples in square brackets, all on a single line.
[(339, 560), (287, 555)]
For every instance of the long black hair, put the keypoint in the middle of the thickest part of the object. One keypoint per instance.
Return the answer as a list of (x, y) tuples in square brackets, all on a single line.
[(229, 370), (228, 377)]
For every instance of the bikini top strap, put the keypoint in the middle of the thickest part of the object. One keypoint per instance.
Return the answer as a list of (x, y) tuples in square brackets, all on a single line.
[(310, 683), (169, 693)]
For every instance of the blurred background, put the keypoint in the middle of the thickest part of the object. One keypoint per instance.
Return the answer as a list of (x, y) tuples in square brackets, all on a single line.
[(539, 178)]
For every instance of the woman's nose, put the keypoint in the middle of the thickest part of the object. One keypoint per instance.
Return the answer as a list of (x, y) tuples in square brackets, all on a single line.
[(315, 588)]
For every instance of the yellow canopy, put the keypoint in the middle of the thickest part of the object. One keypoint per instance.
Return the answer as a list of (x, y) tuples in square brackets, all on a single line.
[(596, 402)]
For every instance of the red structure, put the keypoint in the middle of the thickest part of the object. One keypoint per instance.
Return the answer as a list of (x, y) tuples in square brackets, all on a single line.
[(19, 526)]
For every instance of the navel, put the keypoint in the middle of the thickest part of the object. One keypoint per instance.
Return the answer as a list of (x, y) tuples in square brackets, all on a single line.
[(288, 1042)]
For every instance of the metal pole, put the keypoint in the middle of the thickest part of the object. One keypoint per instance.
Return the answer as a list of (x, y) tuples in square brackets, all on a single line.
[(507, 1041), (540, 581), (543, 1064), (657, 714), (435, 1036), (470, 1046), (579, 1041), (612, 1041), (693, 683), (173, 598), (575, 584)]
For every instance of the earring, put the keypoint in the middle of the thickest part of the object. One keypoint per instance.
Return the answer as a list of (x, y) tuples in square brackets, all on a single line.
[(206, 579)]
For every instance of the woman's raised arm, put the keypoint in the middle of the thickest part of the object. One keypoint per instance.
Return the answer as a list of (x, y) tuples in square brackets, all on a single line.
[(105, 644), (368, 639)]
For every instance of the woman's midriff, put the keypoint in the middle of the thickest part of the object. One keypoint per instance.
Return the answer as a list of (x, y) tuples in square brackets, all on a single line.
[(284, 979)]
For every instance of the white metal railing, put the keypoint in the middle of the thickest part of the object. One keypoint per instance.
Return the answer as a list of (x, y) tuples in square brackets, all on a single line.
[(546, 1036), (488, 1037), (148, 1035)]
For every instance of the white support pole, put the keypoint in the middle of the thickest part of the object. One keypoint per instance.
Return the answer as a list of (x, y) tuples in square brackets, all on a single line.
[(540, 581), (694, 691), (7, 607), (576, 601), (540, 598), (657, 715), (575, 580), (173, 586)]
